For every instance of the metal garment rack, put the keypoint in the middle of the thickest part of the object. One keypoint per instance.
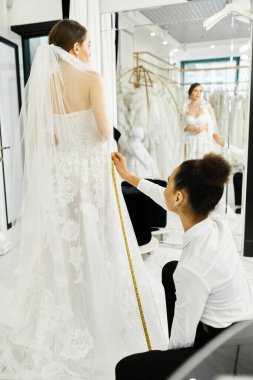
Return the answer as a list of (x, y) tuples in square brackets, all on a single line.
[(172, 67), (140, 72)]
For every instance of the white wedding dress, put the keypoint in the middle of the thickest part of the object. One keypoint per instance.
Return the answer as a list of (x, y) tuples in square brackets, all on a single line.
[(197, 145), (71, 310)]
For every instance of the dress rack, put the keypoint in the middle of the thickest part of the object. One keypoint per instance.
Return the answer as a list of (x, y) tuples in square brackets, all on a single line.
[(141, 76), (172, 67)]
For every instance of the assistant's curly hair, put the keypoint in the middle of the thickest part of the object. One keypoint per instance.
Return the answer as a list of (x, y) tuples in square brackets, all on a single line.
[(203, 180)]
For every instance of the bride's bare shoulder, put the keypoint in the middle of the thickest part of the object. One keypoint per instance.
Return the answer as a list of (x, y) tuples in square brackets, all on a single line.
[(94, 76)]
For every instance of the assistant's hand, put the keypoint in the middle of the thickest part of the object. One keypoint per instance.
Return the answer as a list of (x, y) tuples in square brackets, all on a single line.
[(120, 163)]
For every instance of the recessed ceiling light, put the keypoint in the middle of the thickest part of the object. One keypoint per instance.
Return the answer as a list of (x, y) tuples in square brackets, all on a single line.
[(152, 34), (212, 46), (165, 42)]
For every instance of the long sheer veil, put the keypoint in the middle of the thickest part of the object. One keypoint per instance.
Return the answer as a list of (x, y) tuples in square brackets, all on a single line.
[(70, 310)]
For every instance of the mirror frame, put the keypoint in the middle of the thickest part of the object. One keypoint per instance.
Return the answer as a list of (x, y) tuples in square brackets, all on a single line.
[(248, 181), (18, 93), (247, 189)]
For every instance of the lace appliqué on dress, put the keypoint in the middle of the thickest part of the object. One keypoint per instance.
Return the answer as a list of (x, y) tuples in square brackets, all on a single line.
[(77, 345)]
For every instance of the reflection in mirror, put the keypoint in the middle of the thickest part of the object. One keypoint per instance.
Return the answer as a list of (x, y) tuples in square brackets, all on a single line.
[(162, 51)]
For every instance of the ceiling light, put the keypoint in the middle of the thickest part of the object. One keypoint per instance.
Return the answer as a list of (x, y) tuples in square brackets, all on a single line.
[(212, 46), (152, 34), (165, 42)]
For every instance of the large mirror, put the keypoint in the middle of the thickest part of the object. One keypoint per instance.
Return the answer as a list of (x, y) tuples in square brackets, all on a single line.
[(161, 52)]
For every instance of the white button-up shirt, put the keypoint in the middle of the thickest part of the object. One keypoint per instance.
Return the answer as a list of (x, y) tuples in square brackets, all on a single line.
[(211, 283)]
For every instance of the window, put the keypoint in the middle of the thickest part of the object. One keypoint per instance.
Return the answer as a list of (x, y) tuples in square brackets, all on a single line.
[(214, 77)]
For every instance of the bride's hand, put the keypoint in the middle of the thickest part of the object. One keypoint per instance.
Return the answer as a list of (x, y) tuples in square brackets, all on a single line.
[(120, 163), (197, 130), (204, 127)]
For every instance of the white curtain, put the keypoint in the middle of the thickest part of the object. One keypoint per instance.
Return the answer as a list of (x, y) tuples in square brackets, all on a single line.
[(109, 62), (86, 12), (102, 36)]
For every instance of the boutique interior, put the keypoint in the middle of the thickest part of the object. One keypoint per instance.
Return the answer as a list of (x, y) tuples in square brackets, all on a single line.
[(149, 57)]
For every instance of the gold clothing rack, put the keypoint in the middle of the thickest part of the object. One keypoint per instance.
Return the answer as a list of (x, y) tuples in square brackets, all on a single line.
[(142, 76), (138, 58)]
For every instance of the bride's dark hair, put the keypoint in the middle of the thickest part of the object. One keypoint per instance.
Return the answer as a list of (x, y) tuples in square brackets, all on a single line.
[(192, 86), (66, 33)]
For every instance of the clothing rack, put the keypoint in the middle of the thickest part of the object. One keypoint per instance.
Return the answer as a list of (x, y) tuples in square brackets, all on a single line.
[(172, 67), (142, 76)]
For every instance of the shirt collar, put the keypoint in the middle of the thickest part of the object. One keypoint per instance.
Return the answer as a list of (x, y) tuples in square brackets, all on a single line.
[(197, 230)]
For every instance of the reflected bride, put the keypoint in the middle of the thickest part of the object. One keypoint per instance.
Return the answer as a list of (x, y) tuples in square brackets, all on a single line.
[(200, 124)]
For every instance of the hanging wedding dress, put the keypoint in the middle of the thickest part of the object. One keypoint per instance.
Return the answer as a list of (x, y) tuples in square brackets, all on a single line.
[(158, 117), (139, 160), (72, 313), (4, 243), (197, 145)]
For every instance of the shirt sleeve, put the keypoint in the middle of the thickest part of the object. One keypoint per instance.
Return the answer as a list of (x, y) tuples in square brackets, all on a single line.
[(153, 191), (234, 150), (191, 294)]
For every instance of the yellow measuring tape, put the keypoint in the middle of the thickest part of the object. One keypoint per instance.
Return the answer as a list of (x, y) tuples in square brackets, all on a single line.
[(144, 325)]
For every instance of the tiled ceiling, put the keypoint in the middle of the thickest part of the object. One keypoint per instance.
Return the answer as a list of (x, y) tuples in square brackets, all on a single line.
[(184, 22)]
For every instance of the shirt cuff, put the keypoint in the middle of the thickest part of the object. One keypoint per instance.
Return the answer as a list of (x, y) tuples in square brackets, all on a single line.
[(142, 185)]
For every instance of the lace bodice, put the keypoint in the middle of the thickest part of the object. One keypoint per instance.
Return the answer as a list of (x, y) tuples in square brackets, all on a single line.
[(197, 145), (200, 120), (76, 129)]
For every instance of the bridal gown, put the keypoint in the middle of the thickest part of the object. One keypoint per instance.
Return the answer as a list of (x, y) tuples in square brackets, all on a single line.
[(73, 312), (197, 145)]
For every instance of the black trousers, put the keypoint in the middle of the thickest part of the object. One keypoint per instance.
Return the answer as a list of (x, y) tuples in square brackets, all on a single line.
[(158, 365)]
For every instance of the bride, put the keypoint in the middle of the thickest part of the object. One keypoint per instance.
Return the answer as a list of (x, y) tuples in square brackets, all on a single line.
[(199, 124), (70, 311)]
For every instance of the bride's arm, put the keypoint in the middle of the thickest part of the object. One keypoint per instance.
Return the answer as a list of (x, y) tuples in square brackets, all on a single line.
[(99, 106), (192, 128)]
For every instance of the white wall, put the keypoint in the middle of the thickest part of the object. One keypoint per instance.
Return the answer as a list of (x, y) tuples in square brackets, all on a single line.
[(123, 5), (204, 51), (29, 11), (3, 13), (134, 39)]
